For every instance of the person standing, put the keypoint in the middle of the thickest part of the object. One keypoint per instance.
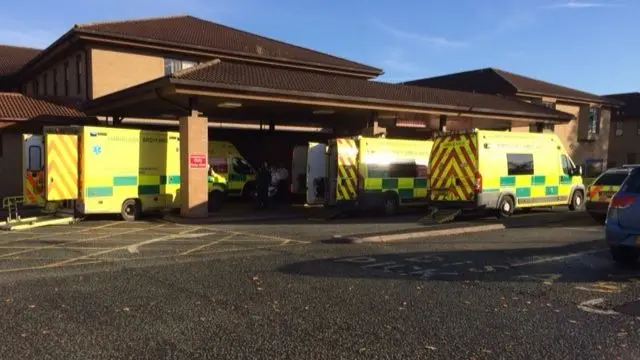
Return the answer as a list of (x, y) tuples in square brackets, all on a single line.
[(263, 180)]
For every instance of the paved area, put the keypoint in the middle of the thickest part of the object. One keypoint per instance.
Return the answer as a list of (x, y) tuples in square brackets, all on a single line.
[(545, 292), (95, 242)]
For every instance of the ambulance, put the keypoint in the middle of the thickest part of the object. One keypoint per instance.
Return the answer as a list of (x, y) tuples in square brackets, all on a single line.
[(600, 193), (363, 172), (105, 170), (502, 171), (239, 175)]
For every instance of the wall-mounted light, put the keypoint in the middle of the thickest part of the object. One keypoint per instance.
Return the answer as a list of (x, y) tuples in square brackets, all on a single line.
[(323, 112), (229, 105)]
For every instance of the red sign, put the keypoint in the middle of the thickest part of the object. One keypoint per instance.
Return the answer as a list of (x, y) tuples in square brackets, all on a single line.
[(197, 161)]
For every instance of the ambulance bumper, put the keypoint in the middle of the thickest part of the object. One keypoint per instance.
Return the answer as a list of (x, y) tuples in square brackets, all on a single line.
[(596, 207)]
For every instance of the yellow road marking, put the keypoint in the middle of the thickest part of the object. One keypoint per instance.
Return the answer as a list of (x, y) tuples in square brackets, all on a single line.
[(73, 242), (125, 247), (279, 238), (47, 235), (206, 245)]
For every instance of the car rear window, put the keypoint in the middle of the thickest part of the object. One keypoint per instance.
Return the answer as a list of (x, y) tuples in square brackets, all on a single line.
[(611, 179), (633, 184)]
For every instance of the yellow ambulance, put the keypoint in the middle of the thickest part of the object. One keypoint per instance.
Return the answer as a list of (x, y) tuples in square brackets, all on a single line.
[(502, 171), (108, 170), (600, 193), (367, 172), (226, 161)]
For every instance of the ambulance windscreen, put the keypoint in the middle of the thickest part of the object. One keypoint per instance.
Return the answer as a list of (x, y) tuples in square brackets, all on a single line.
[(611, 179)]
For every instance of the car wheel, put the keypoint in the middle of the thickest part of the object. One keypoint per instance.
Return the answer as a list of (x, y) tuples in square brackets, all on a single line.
[(577, 200), (505, 207), (624, 255), (391, 204), (216, 200), (131, 210)]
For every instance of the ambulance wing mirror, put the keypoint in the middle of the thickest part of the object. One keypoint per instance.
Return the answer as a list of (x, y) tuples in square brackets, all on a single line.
[(580, 170)]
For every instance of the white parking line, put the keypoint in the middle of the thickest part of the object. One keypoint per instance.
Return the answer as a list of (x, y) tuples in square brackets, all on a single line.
[(557, 258)]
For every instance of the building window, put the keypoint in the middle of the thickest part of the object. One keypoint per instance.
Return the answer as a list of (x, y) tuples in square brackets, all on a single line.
[(173, 65), (45, 80), (594, 121), (520, 164), (55, 82), (66, 78), (619, 128), (78, 73)]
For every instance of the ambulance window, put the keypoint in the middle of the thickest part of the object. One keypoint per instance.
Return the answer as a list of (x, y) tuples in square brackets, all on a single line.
[(218, 165), (520, 164), (35, 158), (241, 166), (403, 170), (611, 178), (566, 165)]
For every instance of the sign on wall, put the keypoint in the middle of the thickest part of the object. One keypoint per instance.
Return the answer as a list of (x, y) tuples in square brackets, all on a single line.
[(197, 160)]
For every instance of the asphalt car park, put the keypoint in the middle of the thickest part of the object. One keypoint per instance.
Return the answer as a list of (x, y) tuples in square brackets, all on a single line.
[(527, 290)]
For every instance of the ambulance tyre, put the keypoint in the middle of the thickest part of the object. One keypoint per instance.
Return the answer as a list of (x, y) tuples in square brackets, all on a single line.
[(249, 191), (216, 200), (131, 210), (505, 207), (391, 203), (577, 200)]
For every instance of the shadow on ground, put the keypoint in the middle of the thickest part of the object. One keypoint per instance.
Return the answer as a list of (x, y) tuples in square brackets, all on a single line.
[(580, 262)]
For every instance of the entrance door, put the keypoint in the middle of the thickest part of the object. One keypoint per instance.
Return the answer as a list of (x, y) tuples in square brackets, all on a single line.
[(61, 170), (299, 170), (32, 169), (316, 173)]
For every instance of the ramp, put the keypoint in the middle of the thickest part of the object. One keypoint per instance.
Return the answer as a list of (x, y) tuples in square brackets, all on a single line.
[(15, 222)]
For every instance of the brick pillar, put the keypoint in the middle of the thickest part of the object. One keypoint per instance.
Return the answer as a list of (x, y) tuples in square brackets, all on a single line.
[(194, 140)]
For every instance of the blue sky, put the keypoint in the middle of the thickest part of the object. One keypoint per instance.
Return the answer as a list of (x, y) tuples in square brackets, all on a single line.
[(588, 44)]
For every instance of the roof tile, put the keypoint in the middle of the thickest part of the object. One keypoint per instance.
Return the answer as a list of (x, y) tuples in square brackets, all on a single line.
[(189, 30), (16, 106), (13, 57), (496, 81), (274, 78)]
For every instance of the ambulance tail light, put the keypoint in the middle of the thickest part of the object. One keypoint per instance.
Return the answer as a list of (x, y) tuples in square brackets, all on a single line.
[(477, 187)]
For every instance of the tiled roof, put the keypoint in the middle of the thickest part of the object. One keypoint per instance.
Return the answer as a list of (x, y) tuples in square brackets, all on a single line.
[(269, 79), (13, 57), (496, 81), (631, 107), (16, 106), (191, 31)]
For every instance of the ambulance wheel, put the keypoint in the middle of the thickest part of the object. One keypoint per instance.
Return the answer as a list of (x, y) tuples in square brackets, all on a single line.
[(249, 191), (216, 200), (577, 200), (391, 204), (131, 210), (505, 207)]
